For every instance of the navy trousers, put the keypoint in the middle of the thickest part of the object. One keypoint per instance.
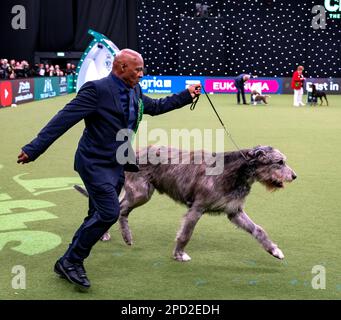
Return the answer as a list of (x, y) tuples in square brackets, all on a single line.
[(240, 91), (104, 210)]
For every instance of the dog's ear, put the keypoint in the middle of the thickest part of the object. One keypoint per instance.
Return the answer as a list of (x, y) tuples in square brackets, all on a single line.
[(252, 153), (259, 154)]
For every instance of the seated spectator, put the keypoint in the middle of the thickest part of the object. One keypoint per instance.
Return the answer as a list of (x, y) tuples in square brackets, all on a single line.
[(3, 69), (26, 69), (41, 70), (51, 71), (12, 63), (11, 74), (58, 71), (68, 69), (19, 72), (35, 70), (16, 69), (47, 69), (73, 68)]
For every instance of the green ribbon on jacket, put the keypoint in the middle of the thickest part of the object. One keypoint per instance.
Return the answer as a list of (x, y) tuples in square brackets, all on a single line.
[(140, 114)]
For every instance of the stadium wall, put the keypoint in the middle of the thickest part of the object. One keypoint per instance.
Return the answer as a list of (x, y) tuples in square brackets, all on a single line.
[(173, 84), (26, 90), (13, 92)]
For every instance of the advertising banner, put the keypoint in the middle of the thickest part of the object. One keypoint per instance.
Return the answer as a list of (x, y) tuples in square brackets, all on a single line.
[(62, 85), (173, 84), (226, 85), (5, 93), (168, 84), (328, 85), (29, 89), (23, 90), (158, 84), (46, 88), (71, 83)]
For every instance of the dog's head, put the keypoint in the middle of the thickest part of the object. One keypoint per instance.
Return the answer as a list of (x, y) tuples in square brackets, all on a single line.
[(270, 167), (254, 92)]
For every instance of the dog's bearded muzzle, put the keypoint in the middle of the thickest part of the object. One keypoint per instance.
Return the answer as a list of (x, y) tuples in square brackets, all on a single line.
[(278, 180)]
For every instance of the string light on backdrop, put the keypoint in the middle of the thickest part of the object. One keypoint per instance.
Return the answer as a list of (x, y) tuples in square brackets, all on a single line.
[(269, 38)]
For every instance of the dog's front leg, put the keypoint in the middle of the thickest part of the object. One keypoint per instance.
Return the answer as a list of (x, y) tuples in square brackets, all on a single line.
[(189, 221), (242, 220)]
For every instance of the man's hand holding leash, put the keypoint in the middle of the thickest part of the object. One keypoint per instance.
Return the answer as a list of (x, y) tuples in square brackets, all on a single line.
[(195, 90)]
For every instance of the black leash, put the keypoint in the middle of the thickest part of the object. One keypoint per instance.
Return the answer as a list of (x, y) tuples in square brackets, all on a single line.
[(194, 103), (192, 107)]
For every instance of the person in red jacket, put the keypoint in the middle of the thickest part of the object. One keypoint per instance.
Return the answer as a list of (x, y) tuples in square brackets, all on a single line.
[(297, 85)]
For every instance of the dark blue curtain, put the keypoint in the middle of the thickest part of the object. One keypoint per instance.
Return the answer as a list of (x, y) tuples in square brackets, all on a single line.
[(62, 25)]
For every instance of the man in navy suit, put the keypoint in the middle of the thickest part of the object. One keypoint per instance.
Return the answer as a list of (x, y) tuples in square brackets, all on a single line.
[(239, 84), (107, 106)]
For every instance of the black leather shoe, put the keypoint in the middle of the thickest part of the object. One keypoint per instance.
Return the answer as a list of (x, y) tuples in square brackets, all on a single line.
[(73, 272)]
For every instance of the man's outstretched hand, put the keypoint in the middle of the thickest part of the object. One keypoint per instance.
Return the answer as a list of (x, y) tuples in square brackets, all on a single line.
[(195, 90), (23, 158)]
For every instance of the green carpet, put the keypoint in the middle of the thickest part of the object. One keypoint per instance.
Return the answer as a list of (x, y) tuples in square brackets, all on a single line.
[(39, 213)]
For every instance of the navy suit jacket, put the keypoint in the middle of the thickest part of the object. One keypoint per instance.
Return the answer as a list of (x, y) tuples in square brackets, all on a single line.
[(98, 103), (239, 80)]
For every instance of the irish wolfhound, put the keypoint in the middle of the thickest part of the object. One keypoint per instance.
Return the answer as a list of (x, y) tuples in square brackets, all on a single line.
[(189, 184)]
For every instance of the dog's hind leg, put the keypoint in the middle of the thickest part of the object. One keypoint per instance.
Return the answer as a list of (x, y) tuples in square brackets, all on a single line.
[(243, 221), (183, 236), (137, 192)]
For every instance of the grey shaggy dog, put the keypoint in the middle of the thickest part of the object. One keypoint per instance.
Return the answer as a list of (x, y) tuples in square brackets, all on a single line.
[(189, 184)]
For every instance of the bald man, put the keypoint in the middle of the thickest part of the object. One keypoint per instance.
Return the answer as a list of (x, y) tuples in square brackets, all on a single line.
[(107, 106)]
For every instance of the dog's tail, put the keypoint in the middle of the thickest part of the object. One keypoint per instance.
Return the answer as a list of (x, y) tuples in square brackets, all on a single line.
[(81, 190), (85, 193)]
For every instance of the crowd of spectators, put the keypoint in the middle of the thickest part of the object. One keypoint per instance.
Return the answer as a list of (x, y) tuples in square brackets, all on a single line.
[(22, 69)]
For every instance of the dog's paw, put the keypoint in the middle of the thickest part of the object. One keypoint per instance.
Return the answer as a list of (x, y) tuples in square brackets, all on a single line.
[(125, 231), (128, 239), (277, 253), (106, 237), (182, 257)]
